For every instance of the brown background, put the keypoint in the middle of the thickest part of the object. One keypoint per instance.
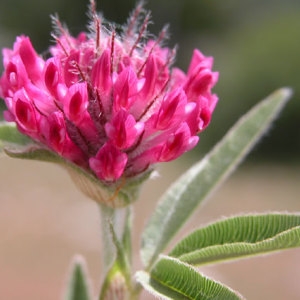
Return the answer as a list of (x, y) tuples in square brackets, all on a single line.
[(44, 221)]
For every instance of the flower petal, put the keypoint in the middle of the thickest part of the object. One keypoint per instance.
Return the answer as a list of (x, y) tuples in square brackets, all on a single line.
[(109, 163)]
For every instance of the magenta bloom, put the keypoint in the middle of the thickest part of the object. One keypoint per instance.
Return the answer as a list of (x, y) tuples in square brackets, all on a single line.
[(109, 102)]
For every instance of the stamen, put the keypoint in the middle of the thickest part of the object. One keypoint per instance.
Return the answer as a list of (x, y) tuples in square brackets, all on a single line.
[(61, 30), (112, 49), (95, 115), (60, 44), (101, 115), (98, 32), (142, 31), (161, 37), (96, 111), (97, 23), (93, 6), (133, 20), (79, 139), (169, 61), (153, 100), (137, 143), (80, 72)]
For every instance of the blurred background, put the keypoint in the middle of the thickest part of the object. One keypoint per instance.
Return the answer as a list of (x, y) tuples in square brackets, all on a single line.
[(256, 47)]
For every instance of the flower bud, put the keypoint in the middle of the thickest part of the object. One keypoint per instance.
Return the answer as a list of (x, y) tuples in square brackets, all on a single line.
[(110, 103)]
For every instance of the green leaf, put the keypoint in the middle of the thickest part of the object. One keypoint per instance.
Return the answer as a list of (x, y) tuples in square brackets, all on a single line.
[(33, 151), (173, 279), (9, 134), (239, 237), (78, 288), (193, 187)]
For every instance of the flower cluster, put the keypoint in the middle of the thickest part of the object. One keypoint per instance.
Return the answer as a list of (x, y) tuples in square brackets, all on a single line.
[(108, 101)]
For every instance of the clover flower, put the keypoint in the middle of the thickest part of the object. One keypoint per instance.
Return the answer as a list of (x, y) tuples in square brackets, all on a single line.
[(108, 101)]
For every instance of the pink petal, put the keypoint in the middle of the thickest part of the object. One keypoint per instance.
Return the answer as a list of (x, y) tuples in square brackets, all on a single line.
[(178, 143), (125, 89), (42, 101), (76, 102), (101, 73), (53, 78), (24, 111), (197, 59), (123, 130), (70, 70), (32, 62), (172, 109), (150, 75), (109, 163)]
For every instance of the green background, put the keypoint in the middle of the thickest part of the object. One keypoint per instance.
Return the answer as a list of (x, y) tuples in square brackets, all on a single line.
[(256, 46)]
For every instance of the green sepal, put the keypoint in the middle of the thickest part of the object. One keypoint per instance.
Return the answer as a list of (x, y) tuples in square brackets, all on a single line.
[(119, 194)]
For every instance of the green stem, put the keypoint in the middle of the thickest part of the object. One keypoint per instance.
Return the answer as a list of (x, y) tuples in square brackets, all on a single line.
[(116, 253), (108, 249)]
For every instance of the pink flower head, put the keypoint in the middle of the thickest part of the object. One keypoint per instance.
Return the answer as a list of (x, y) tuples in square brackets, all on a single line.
[(108, 101)]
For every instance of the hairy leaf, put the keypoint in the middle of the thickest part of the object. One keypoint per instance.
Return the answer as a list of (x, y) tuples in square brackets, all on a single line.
[(78, 288), (193, 187), (172, 279), (9, 134), (239, 237)]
